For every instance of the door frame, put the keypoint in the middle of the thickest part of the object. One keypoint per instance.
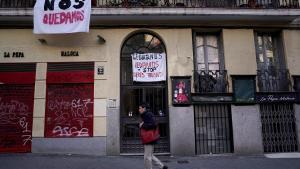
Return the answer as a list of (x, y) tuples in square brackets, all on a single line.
[(131, 34)]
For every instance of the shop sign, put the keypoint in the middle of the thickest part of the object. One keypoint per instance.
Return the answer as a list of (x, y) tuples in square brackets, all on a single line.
[(69, 53), (276, 97), (149, 67), (211, 97), (13, 54), (61, 16)]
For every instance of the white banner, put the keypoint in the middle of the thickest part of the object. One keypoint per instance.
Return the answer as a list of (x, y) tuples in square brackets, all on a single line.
[(149, 67), (61, 16)]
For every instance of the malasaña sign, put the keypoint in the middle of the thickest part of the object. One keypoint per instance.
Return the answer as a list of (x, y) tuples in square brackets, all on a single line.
[(61, 16)]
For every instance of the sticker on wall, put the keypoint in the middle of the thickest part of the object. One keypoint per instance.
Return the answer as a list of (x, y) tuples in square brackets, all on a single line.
[(61, 16), (149, 67)]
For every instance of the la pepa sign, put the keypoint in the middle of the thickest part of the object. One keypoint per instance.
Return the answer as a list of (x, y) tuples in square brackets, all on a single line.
[(61, 16)]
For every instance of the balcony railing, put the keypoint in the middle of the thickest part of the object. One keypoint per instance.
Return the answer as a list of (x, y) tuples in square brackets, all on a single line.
[(273, 80), (171, 3), (211, 81)]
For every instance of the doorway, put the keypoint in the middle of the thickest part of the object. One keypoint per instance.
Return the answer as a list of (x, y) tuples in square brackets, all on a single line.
[(133, 93)]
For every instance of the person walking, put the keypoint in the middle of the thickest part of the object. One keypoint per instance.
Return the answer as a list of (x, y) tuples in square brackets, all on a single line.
[(148, 124)]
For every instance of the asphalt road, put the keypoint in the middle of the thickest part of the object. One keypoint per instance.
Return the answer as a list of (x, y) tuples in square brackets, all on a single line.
[(46, 161)]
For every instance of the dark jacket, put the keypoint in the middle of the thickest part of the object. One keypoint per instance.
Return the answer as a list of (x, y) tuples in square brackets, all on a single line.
[(149, 121)]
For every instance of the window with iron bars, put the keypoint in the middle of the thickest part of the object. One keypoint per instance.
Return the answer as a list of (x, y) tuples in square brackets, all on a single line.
[(272, 74), (209, 74)]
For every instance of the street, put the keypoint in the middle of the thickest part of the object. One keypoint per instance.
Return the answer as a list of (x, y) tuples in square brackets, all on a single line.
[(52, 161)]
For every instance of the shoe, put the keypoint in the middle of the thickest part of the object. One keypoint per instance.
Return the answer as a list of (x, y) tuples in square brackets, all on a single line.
[(165, 167)]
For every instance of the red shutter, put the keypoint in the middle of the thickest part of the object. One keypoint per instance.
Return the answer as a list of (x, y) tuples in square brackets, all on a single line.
[(16, 106), (69, 100), (79, 76)]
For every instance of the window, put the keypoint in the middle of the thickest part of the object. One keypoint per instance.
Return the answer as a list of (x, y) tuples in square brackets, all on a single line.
[(210, 75), (208, 52), (272, 73), (268, 51)]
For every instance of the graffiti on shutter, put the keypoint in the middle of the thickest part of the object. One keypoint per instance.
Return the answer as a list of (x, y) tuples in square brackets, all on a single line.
[(16, 109), (69, 110)]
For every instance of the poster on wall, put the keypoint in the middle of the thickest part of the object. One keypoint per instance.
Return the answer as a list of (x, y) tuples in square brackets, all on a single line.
[(149, 67), (181, 90), (61, 16)]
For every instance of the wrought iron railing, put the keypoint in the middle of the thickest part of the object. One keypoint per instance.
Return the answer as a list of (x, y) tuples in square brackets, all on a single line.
[(171, 3), (211, 81), (273, 80)]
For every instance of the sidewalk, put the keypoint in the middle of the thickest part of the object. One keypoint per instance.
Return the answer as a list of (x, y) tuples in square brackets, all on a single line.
[(50, 161)]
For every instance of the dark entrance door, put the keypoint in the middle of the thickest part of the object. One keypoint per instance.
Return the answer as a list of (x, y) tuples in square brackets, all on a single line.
[(133, 93)]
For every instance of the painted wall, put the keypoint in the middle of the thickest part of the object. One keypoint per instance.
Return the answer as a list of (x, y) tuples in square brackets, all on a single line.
[(239, 52), (246, 124), (179, 54), (291, 41)]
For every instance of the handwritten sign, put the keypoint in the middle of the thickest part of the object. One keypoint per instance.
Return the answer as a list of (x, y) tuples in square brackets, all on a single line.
[(149, 67), (69, 110), (276, 97), (61, 16)]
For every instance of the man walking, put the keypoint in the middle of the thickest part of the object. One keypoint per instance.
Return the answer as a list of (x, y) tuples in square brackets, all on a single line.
[(148, 123)]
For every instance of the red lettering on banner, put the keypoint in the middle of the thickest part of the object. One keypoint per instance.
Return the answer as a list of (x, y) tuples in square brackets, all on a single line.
[(155, 74), (153, 64), (63, 17), (138, 74)]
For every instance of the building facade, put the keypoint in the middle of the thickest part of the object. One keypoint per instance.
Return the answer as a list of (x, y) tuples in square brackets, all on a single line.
[(237, 62)]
